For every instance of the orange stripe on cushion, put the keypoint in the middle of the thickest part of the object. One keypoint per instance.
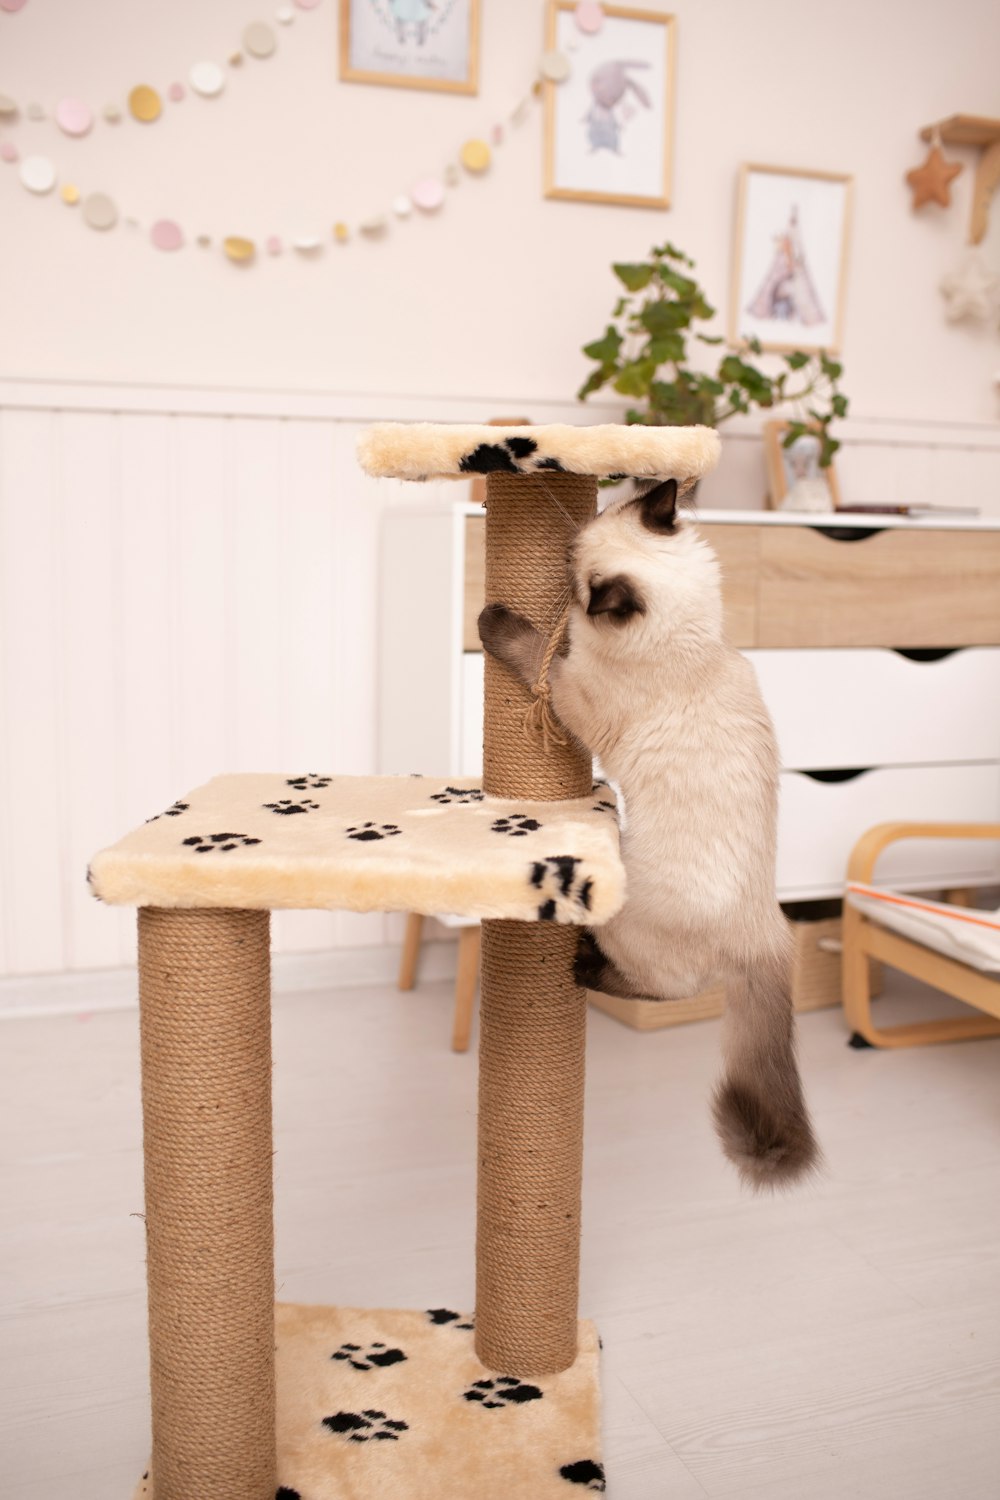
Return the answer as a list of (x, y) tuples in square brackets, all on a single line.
[(927, 906)]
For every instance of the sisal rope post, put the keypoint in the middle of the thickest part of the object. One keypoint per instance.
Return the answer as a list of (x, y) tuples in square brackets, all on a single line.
[(204, 995), (533, 1015)]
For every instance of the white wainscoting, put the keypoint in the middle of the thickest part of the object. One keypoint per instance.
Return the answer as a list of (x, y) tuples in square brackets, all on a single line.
[(188, 584)]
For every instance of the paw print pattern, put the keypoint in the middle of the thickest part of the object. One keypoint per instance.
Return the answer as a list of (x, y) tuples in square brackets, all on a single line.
[(516, 826), (308, 783), (375, 1356), (286, 807), (366, 832), (218, 843), (444, 1315), (365, 1426), (502, 1391), (604, 798), (174, 811), (558, 882), (460, 794), (586, 1472)]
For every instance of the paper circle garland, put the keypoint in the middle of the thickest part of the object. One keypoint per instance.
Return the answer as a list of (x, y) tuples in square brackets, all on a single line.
[(167, 235), (176, 92), (428, 194), (38, 174), (475, 156), (35, 111), (285, 15), (341, 233), (13, 5), (69, 194), (589, 16), (8, 151), (452, 175), (375, 225), (207, 79), (555, 67), (240, 250), (306, 244), (401, 206), (112, 114), (145, 104), (307, 4), (273, 245), (259, 40), (99, 211), (8, 106), (73, 116)]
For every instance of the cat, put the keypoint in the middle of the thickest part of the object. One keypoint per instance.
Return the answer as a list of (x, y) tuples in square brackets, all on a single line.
[(648, 683)]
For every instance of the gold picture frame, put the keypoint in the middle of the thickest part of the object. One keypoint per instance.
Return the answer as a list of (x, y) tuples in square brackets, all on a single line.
[(789, 270), (653, 161), (780, 471), (465, 46)]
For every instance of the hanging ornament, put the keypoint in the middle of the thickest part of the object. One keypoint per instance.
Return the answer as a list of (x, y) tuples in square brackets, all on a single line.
[(971, 292), (145, 104), (13, 5), (176, 92), (285, 15), (273, 245), (38, 174), (8, 107), (341, 233), (555, 66), (930, 183), (240, 250), (73, 116), (428, 194), (259, 40), (69, 194), (8, 151), (112, 114), (401, 206), (99, 211), (35, 111), (207, 79), (475, 156), (452, 175), (589, 17), (166, 235), (307, 244), (374, 226)]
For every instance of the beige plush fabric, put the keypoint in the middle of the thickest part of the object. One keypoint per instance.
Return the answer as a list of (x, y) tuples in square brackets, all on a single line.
[(376, 1405), (372, 843), (429, 450)]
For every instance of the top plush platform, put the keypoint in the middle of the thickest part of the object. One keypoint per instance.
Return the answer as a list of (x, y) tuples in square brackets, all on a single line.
[(427, 450), (372, 843)]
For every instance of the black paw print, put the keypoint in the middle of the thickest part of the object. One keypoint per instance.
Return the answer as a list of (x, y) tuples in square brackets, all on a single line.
[(503, 1390), (365, 1426), (287, 807), (368, 831), (460, 794), (219, 843), (586, 1472), (516, 826), (367, 1359), (310, 782), (174, 811), (556, 877), (442, 1315)]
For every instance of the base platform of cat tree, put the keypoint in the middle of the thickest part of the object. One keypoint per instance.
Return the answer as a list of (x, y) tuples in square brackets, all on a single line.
[(394, 1405)]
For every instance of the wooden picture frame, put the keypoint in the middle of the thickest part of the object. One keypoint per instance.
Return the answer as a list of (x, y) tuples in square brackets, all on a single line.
[(591, 116), (373, 37), (789, 271), (780, 473)]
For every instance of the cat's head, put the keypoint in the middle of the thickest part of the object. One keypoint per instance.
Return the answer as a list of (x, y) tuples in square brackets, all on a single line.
[(641, 576)]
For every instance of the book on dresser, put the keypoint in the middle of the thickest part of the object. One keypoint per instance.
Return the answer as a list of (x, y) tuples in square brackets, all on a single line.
[(876, 641)]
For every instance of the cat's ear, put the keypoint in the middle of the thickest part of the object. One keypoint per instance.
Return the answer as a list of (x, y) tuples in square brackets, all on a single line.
[(615, 596), (658, 508)]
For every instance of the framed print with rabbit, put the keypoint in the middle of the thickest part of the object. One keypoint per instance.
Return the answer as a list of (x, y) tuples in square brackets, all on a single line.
[(609, 123)]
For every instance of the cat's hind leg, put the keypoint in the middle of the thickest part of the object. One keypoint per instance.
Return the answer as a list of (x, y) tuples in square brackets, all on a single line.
[(595, 971)]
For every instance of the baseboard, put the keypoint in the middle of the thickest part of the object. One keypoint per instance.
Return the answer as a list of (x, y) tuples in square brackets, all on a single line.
[(291, 973)]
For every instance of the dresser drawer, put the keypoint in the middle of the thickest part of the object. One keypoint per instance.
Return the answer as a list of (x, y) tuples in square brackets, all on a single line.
[(819, 823), (893, 588), (878, 708)]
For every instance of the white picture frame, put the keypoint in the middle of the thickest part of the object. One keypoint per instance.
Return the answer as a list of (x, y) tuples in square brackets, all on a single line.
[(411, 44)]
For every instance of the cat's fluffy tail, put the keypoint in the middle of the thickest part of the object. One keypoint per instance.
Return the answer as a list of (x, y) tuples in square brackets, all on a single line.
[(759, 1109)]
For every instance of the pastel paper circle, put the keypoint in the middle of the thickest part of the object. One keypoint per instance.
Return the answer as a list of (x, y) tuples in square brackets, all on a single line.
[(35, 111), (589, 16), (259, 40), (8, 151), (374, 225), (475, 156), (274, 246), (203, 241), (285, 15), (166, 235), (145, 104), (38, 174), (8, 106), (307, 4), (240, 250), (207, 79), (99, 211), (341, 233), (496, 135), (74, 116), (428, 194), (402, 207), (306, 244), (112, 114), (555, 67), (176, 92), (452, 175), (13, 5), (69, 194), (236, 59)]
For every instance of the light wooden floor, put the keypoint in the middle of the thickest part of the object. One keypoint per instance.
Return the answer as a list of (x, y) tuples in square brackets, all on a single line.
[(841, 1342)]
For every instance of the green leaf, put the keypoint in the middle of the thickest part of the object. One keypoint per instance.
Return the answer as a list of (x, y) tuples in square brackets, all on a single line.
[(595, 380), (839, 404), (669, 346), (796, 360), (663, 317), (634, 379), (605, 349), (710, 338), (633, 276), (830, 367), (682, 285)]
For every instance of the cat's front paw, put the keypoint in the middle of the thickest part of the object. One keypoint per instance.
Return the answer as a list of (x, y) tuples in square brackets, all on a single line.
[(590, 963), (502, 629)]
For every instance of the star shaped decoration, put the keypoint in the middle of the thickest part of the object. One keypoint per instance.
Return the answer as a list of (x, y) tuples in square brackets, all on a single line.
[(972, 292), (930, 183)]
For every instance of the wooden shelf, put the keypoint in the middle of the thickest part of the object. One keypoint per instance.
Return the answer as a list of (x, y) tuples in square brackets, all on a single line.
[(964, 130), (982, 133)]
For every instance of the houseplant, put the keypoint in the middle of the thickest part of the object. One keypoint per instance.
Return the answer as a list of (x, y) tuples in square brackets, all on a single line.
[(643, 353)]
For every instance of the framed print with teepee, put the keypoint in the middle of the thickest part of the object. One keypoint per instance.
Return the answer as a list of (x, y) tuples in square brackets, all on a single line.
[(790, 258)]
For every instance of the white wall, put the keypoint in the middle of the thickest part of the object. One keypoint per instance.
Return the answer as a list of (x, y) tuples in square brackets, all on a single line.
[(495, 296)]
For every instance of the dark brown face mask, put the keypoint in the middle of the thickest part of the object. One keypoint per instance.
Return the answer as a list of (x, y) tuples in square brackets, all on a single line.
[(617, 597), (658, 508)]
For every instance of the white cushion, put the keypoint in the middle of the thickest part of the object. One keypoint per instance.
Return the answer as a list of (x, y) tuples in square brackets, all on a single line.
[(972, 937)]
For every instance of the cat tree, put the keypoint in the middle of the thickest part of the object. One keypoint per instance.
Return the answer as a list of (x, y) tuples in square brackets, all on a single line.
[(331, 1402)]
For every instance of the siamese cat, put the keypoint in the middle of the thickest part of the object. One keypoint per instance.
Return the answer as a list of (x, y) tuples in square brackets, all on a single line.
[(648, 683)]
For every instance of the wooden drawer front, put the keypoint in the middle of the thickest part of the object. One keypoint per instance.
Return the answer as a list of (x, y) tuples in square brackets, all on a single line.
[(738, 551), (470, 747), (819, 823), (896, 588), (877, 708)]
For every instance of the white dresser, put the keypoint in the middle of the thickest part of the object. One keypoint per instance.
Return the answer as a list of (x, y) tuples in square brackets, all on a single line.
[(877, 645)]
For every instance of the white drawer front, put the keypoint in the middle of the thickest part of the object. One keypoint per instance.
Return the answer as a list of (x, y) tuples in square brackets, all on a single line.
[(876, 708), (470, 748), (819, 823)]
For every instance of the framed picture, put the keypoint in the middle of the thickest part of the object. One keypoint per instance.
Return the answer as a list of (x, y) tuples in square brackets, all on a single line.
[(411, 44), (790, 258), (609, 125), (795, 480)]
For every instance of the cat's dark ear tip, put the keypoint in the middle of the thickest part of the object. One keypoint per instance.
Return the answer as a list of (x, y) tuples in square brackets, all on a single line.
[(658, 506)]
